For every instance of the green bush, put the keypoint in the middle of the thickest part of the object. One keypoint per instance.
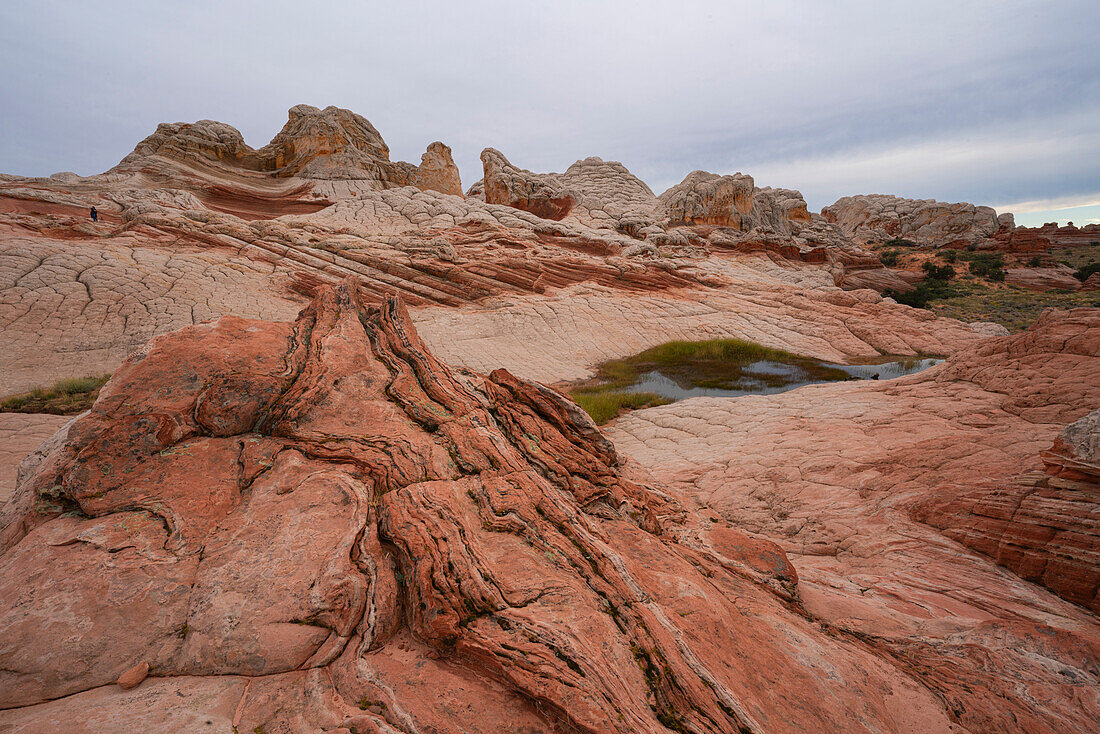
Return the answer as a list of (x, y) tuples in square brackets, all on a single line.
[(889, 258), (938, 272), (1035, 262), (917, 298), (1083, 274), (988, 265), (948, 255), (900, 242)]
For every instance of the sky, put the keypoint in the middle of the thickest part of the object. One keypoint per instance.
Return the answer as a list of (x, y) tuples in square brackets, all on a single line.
[(992, 102)]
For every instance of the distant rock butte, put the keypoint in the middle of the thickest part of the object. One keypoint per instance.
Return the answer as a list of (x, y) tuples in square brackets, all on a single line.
[(875, 218)]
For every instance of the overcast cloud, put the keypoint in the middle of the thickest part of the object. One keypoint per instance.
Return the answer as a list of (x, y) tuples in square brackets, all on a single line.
[(992, 102)]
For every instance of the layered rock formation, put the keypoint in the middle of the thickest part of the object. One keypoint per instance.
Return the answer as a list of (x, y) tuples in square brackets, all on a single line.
[(874, 218), (843, 477), (322, 507), (1048, 279), (1067, 235), (195, 224), (329, 144)]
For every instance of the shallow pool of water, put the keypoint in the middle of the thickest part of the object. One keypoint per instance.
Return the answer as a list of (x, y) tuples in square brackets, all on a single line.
[(768, 378)]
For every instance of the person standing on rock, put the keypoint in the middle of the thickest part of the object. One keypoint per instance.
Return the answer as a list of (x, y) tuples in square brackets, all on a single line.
[(95, 215)]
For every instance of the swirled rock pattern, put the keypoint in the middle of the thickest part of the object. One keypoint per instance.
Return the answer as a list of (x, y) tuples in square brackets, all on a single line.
[(319, 505)]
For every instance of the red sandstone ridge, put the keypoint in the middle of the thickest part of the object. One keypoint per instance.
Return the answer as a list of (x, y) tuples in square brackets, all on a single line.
[(378, 542), (1043, 525), (1066, 236)]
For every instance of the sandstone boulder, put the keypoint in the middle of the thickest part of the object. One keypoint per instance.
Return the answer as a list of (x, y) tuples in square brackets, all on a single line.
[(707, 198), (540, 194), (1076, 451), (873, 218)]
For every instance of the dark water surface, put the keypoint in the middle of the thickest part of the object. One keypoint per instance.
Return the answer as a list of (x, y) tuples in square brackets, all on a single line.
[(765, 377)]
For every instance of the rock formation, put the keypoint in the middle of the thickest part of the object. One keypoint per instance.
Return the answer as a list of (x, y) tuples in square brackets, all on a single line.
[(332, 144), (875, 218), (276, 499), (706, 198), (1059, 277), (189, 231), (505, 184), (1066, 236), (270, 523), (1043, 525)]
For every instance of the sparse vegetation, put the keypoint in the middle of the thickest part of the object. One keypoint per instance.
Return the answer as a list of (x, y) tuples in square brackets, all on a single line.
[(948, 255), (988, 265), (65, 397), (889, 258), (1077, 256), (607, 403), (900, 242), (1016, 308)]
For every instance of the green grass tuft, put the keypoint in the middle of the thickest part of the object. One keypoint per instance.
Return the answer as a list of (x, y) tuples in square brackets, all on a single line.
[(605, 404), (65, 397)]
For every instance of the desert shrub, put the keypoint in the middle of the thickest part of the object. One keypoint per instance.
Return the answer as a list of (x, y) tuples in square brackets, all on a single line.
[(1035, 262), (988, 265), (948, 255), (938, 272), (1083, 274), (900, 242), (65, 397), (889, 258), (917, 298)]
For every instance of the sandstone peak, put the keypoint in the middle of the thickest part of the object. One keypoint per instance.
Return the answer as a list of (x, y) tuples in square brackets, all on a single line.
[(332, 144), (708, 198)]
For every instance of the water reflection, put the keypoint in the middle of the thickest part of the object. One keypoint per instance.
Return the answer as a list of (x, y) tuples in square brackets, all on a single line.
[(768, 378)]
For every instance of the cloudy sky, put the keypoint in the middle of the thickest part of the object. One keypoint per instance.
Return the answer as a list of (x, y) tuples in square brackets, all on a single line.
[(994, 102)]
